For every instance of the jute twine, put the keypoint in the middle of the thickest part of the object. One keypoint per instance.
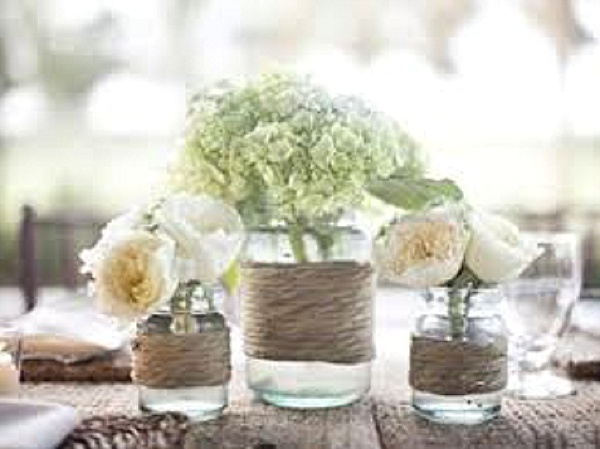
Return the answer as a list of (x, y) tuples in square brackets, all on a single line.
[(319, 311), (457, 368), (182, 360)]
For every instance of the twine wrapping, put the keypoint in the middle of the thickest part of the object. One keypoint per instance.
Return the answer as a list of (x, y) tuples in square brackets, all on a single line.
[(182, 360), (308, 312), (457, 368)]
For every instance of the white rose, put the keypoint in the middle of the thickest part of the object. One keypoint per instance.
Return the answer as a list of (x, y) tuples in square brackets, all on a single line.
[(497, 252), (424, 250), (133, 274), (129, 221), (208, 234)]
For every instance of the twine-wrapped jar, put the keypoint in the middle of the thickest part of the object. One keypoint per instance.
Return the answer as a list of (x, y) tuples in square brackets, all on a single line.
[(458, 356), (308, 325), (181, 357)]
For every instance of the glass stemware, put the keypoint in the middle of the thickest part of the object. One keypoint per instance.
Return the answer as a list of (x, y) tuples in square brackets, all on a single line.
[(539, 308)]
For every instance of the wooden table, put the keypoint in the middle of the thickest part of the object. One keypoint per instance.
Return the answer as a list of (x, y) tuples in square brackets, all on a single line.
[(381, 421)]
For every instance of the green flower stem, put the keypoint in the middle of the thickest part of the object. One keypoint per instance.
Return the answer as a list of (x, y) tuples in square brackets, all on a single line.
[(209, 297), (325, 242), (296, 236), (181, 309), (457, 313)]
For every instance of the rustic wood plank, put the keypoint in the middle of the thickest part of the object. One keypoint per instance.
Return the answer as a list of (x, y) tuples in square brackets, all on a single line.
[(258, 426)]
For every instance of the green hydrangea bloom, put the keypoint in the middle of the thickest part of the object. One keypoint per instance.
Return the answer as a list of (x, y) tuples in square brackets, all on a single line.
[(281, 148)]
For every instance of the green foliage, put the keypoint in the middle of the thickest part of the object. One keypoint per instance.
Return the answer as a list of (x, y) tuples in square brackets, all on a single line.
[(414, 194)]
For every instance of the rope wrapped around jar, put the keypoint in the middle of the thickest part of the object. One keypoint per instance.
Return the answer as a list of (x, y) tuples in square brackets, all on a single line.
[(321, 311), (456, 367), (165, 360)]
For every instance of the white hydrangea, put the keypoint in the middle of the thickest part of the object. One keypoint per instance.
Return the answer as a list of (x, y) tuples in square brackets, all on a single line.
[(282, 148)]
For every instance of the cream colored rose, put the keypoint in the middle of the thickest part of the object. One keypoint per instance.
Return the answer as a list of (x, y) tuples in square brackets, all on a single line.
[(208, 234), (497, 252), (133, 274), (424, 250)]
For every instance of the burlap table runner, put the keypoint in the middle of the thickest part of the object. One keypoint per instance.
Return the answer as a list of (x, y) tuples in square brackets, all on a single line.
[(90, 399), (383, 421), (569, 423)]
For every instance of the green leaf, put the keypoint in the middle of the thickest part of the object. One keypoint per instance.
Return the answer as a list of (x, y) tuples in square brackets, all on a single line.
[(231, 277), (413, 194)]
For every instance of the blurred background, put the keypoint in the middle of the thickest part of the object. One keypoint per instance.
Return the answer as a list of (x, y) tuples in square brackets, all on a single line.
[(503, 94)]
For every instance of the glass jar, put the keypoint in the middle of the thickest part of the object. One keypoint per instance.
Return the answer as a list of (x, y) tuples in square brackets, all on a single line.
[(173, 351), (305, 380), (458, 356), (10, 359)]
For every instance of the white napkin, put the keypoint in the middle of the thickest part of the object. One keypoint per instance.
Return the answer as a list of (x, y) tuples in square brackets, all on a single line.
[(69, 329), (34, 425), (586, 316)]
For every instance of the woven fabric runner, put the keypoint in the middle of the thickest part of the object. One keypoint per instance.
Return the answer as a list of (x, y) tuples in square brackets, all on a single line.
[(122, 432), (90, 399), (568, 423), (308, 312), (382, 421), (182, 360)]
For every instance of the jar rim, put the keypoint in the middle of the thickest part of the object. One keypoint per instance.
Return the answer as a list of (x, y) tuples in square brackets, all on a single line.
[(478, 290), (282, 228), (479, 299)]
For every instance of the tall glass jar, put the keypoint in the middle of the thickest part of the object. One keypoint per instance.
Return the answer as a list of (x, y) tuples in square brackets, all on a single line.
[(182, 357), (458, 356), (289, 372)]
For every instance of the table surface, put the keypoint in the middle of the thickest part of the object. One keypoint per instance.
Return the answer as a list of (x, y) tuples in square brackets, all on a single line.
[(382, 420)]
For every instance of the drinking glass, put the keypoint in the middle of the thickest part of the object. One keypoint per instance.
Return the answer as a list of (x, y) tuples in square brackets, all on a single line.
[(539, 308), (10, 358)]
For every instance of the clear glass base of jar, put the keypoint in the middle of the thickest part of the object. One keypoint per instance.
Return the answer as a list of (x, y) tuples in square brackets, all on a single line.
[(308, 385), (198, 403), (467, 410)]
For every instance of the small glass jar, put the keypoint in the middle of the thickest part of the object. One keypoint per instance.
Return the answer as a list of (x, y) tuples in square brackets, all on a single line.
[(198, 324), (458, 356), (298, 383), (10, 359)]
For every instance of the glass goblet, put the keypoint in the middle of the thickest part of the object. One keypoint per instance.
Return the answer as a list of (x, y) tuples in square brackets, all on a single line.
[(539, 308)]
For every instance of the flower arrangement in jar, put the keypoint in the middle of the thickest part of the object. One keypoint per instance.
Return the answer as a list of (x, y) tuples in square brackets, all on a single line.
[(296, 161), (454, 256), (159, 265)]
